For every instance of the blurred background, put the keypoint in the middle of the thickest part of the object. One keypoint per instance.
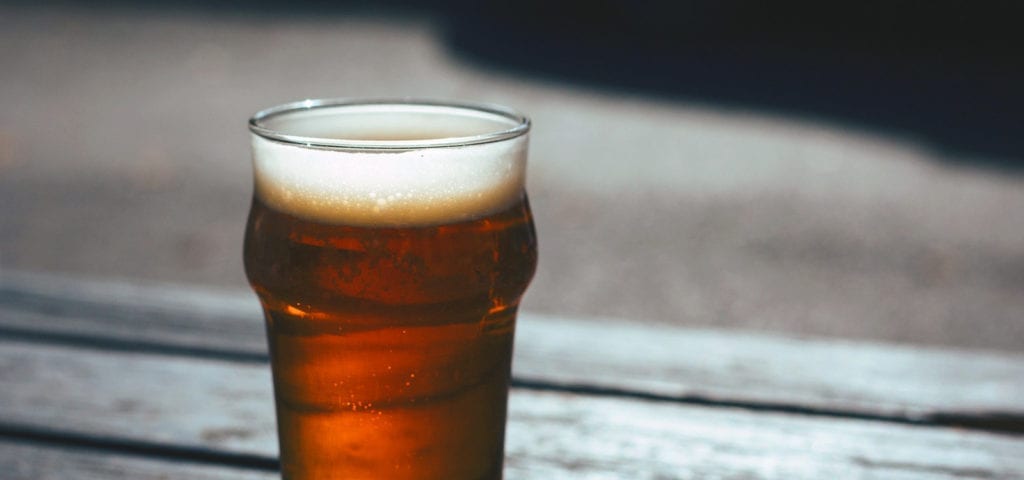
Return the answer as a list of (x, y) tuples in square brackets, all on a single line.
[(850, 170)]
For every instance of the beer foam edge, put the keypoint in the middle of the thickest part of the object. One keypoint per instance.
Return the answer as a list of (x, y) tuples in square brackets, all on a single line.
[(413, 187)]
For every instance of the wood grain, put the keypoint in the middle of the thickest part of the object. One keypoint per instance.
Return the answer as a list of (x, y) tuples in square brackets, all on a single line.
[(227, 406), (39, 461), (833, 376)]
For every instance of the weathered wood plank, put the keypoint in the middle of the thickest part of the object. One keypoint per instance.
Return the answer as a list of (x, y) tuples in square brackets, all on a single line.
[(227, 406), (39, 461), (175, 315), (727, 366)]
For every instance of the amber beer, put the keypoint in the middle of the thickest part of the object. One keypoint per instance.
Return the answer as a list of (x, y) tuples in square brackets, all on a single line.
[(389, 244)]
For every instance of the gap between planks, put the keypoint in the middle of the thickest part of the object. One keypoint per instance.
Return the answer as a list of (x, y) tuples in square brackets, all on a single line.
[(759, 372), (186, 405)]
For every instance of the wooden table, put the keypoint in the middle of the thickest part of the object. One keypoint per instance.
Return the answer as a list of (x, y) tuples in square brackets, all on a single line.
[(114, 380)]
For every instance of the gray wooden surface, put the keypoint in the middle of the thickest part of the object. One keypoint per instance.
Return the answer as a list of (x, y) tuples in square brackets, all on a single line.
[(228, 407), (907, 382), (40, 461), (108, 380)]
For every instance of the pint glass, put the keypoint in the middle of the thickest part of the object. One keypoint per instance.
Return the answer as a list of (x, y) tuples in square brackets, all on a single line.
[(389, 243)]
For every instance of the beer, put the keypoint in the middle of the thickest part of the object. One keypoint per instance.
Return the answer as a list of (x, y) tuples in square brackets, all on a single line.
[(390, 280)]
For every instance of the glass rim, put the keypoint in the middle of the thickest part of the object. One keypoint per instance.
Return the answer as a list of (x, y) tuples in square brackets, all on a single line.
[(257, 124)]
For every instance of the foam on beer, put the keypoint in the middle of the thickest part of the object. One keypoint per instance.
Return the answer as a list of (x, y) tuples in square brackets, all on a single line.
[(388, 187)]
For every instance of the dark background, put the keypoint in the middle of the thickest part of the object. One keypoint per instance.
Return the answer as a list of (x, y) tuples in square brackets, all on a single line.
[(947, 72)]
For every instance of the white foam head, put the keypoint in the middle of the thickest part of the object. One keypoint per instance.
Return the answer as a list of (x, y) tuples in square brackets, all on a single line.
[(388, 164)]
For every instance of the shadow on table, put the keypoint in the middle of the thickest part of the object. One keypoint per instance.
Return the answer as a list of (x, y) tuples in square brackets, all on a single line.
[(947, 73)]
